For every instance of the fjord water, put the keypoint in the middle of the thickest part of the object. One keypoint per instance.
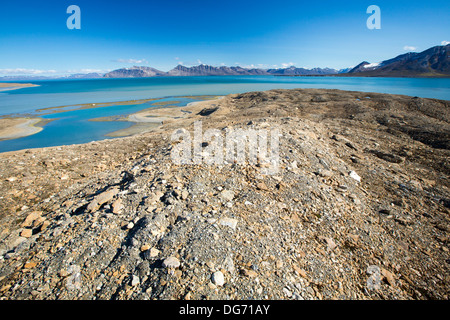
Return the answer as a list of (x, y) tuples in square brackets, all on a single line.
[(73, 126)]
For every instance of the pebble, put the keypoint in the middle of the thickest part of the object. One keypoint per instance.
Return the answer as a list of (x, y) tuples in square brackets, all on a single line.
[(101, 199), (117, 206), (226, 195), (287, 292), (388, 276), (26, 233), (171, 262), (135, 281), (355, 176), (31, 218), (261, 186), (249, 273), (154, 252), (218, 278), (229, 222)]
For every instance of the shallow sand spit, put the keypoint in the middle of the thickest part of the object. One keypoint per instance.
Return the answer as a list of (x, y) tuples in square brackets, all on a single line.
[(359, 208), (14, 86), (152, 118), (13, 128)]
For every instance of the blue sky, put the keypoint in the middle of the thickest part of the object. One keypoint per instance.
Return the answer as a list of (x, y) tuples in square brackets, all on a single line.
[(34, 38)]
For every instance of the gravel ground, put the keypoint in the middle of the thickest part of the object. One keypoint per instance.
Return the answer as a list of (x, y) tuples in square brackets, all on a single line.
[(358, 208)]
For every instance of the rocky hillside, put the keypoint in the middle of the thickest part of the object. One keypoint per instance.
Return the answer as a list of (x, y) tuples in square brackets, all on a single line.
[(359, 208)]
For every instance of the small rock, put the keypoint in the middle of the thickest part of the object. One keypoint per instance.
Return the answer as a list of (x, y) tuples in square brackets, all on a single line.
[(229, 222), (26, 233), (300, 271), (388, 276), (287, 292), (249, 273), (184, 194), (31, 218), (373, 282), (325, 173), (355, 176), (135, 281), (171, 262), (261, 186), (279, 264), (226, 195), (218, 278), (101, 199), (330, 243), (117, 206), (30, 265), (229, 264), (351, 146)]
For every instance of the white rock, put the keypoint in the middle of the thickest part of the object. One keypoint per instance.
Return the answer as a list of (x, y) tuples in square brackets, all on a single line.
[(226, 195), (218, 279), (229, 222), (135, 281), (229, 264), (171, 262), (154, 252), (355, 176), (287, 292)]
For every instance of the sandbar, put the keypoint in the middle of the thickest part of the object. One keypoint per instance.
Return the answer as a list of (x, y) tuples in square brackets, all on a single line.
[(13, 128), (152, 118), (4, 86)]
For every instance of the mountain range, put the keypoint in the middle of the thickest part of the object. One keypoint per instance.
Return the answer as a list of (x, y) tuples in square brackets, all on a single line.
[(433, 62), (205, 70)]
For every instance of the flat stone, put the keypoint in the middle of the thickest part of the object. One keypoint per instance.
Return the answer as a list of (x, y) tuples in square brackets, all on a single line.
[(117, 206), (249, 273), (226, 195), (26, 233), (229, 222), (31, 218), (261, 186), (171, 262), (154, 252), (101, 199)]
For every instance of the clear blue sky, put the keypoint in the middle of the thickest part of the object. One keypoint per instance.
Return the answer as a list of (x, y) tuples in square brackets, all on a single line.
[(34, 38)]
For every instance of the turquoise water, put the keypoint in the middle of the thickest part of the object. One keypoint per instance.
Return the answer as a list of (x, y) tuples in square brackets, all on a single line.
[(73, 127)]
